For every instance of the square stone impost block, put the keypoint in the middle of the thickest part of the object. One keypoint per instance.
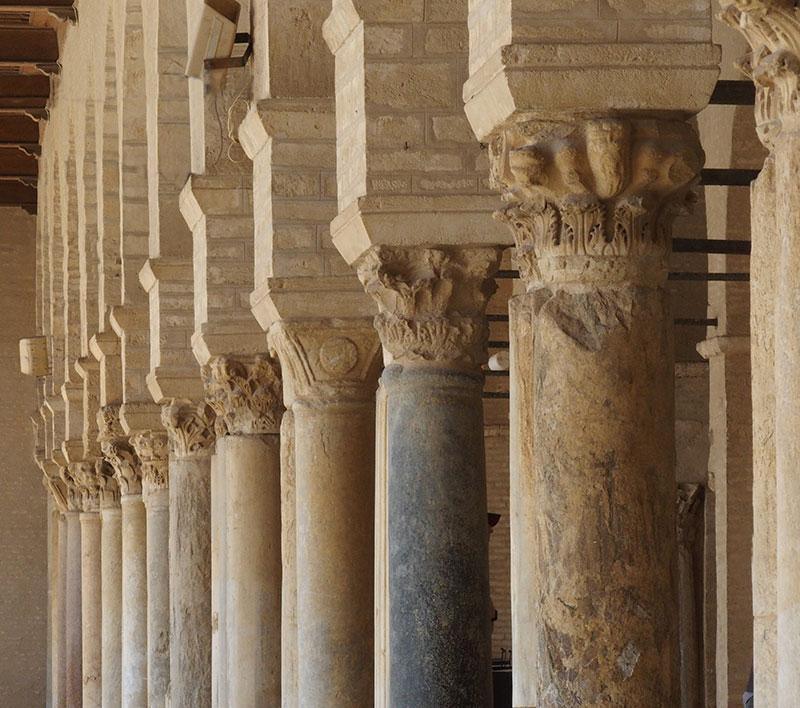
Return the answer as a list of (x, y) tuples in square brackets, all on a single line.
[(409, 173), (33, 358), (518, 79)]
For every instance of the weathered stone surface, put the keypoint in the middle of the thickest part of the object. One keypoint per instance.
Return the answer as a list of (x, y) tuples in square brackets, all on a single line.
[(91, 607), (134, 601), (440, 649), (111, 605)]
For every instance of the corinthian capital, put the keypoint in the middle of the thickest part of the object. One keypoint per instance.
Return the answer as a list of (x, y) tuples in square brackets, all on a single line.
[(87, 483), (772, 28), (594, 200), (245, 394), (190, 427), (126, 466), (72, 492), (432, 301), (151, 448)]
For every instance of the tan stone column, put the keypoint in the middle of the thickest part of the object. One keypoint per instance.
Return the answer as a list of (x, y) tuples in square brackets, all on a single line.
[(219, 660), (60, 618), (772, 28), (72, 610), (191, 444), (111, 595), (763, 269), (151, 449), (127, 472), (592, 244), (245, 393), (289, 669), (91, 618), (330, 376), (731, 475)]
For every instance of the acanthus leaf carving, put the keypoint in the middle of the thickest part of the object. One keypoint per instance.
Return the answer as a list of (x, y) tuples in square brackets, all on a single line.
[(594, 199), (152, 449), (89, 484), (190, 427), (245, 393), (432, 301), (123, 460), (772, 29)]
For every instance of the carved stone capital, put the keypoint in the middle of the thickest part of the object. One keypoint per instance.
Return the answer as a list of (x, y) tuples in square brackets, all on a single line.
[(245, 393), (152, 449), (126, 466), (88, 484), (109, 489), (190, 427), (108, 423), (72, 492), (772, 28), (432, 301), (327, 360), (593, 201)]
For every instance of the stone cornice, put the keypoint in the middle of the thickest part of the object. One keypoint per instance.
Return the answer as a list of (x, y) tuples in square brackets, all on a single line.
[(772, 28), (432, 302), (593, 201), (190, 427), (245, 394), (327, 360)]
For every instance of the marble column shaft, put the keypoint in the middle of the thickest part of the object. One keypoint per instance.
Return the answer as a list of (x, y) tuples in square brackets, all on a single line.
[(91, 608), (151, 449), (191, 443), (330, 376), (600, 472), (73, 630), (245, 394), (111, 603), (432, 324)]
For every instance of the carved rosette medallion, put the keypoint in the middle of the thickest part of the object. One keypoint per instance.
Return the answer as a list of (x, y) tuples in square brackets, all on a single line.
[(245, 393), (432, 301), (152, 449), (190, 427), (594, 201), (772, 28), (335, 360)]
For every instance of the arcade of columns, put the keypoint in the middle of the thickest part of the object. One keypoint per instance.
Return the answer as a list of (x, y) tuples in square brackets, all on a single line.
[(262, 304)]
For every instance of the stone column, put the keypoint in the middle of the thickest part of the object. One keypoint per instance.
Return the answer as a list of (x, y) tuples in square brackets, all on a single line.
[(60, 618), (151, 449), (219, 660), (245, 393), (72, 596), (289, 697), (432, 325), (772, 28), (590, 205), (127, 472), (89, 484), (731, 477), (191, 444), (111, 595), (329, 372), (763, 268)]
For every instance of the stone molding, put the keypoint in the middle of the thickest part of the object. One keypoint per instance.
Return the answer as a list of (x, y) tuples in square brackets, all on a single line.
[(246, 394), (593, 200), (432, 301), (190, 427), (723, 345), (327, 360), (772, 28), (152, 449)]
